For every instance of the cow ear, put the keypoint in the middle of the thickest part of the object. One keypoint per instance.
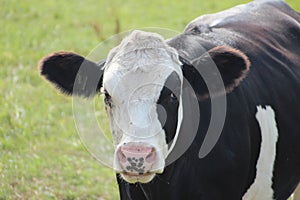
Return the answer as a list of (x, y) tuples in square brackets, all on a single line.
[(72, 74), (232, 64)]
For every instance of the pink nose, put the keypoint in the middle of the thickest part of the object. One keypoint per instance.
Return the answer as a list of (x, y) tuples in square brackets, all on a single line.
[(136, 159)]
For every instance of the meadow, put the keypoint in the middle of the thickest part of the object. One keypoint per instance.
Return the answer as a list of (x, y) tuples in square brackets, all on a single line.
[(41, 155)]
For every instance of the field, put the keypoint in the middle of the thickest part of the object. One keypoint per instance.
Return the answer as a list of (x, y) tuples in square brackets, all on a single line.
[(41, 155)]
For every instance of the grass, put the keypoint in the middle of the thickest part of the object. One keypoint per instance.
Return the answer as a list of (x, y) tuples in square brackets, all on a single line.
[(41, 156)]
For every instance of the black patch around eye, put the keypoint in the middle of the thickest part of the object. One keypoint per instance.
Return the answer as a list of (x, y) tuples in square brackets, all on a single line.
[(173, 97), (168, 104)]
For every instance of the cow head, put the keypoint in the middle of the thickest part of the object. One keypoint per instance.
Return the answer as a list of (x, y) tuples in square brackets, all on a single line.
[(142, 80)]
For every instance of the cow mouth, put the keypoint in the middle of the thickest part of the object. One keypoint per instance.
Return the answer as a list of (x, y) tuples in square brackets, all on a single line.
[(137, 178)]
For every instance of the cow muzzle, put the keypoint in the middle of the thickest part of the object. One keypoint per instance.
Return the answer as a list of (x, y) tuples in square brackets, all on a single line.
[(137, 162)]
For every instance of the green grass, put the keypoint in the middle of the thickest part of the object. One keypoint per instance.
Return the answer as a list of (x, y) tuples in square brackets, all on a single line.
[(41, 156)]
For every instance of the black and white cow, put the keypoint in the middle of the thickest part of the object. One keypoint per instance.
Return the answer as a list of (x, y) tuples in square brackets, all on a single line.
[(256, 49)]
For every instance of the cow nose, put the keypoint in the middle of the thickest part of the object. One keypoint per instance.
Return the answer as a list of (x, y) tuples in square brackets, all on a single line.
[(136, 159)]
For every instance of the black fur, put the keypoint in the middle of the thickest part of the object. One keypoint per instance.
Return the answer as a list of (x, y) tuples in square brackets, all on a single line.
[(63, 69)]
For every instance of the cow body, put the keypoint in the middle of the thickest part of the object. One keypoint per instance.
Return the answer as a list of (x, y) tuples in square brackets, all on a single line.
[(268, 32)]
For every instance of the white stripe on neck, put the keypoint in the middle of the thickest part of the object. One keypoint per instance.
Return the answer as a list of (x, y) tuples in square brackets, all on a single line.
[(261, 189)]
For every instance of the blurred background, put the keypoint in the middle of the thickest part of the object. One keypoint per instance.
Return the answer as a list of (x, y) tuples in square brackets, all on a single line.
[(41, 156)]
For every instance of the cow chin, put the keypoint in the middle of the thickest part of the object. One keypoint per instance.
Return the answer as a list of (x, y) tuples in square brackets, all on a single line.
[(144, 178)]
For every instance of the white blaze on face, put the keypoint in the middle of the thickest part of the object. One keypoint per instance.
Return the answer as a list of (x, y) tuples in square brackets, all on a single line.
[(135, 73), (262, 186)]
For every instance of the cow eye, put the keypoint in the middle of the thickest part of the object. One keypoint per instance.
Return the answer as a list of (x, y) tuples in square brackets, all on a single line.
[(173, 97)]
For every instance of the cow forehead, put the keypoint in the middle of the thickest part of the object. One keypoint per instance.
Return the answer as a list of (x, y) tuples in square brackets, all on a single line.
[(139, 66), (136, 85)]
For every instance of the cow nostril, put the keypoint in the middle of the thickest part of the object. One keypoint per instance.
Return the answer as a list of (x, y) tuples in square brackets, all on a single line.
[(150, 158), (122, 157)]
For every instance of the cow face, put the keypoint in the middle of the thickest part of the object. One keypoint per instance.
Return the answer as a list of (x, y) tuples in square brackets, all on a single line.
[(142, 84), (142, 80)]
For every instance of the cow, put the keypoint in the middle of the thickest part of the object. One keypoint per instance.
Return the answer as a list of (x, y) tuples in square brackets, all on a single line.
[(154, 91)]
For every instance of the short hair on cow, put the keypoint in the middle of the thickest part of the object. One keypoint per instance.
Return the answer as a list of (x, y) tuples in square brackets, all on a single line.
[(256, 155), (150, 48)]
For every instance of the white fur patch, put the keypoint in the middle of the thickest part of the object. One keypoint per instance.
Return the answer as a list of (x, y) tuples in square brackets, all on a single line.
[(135, 73), (261, 189)]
